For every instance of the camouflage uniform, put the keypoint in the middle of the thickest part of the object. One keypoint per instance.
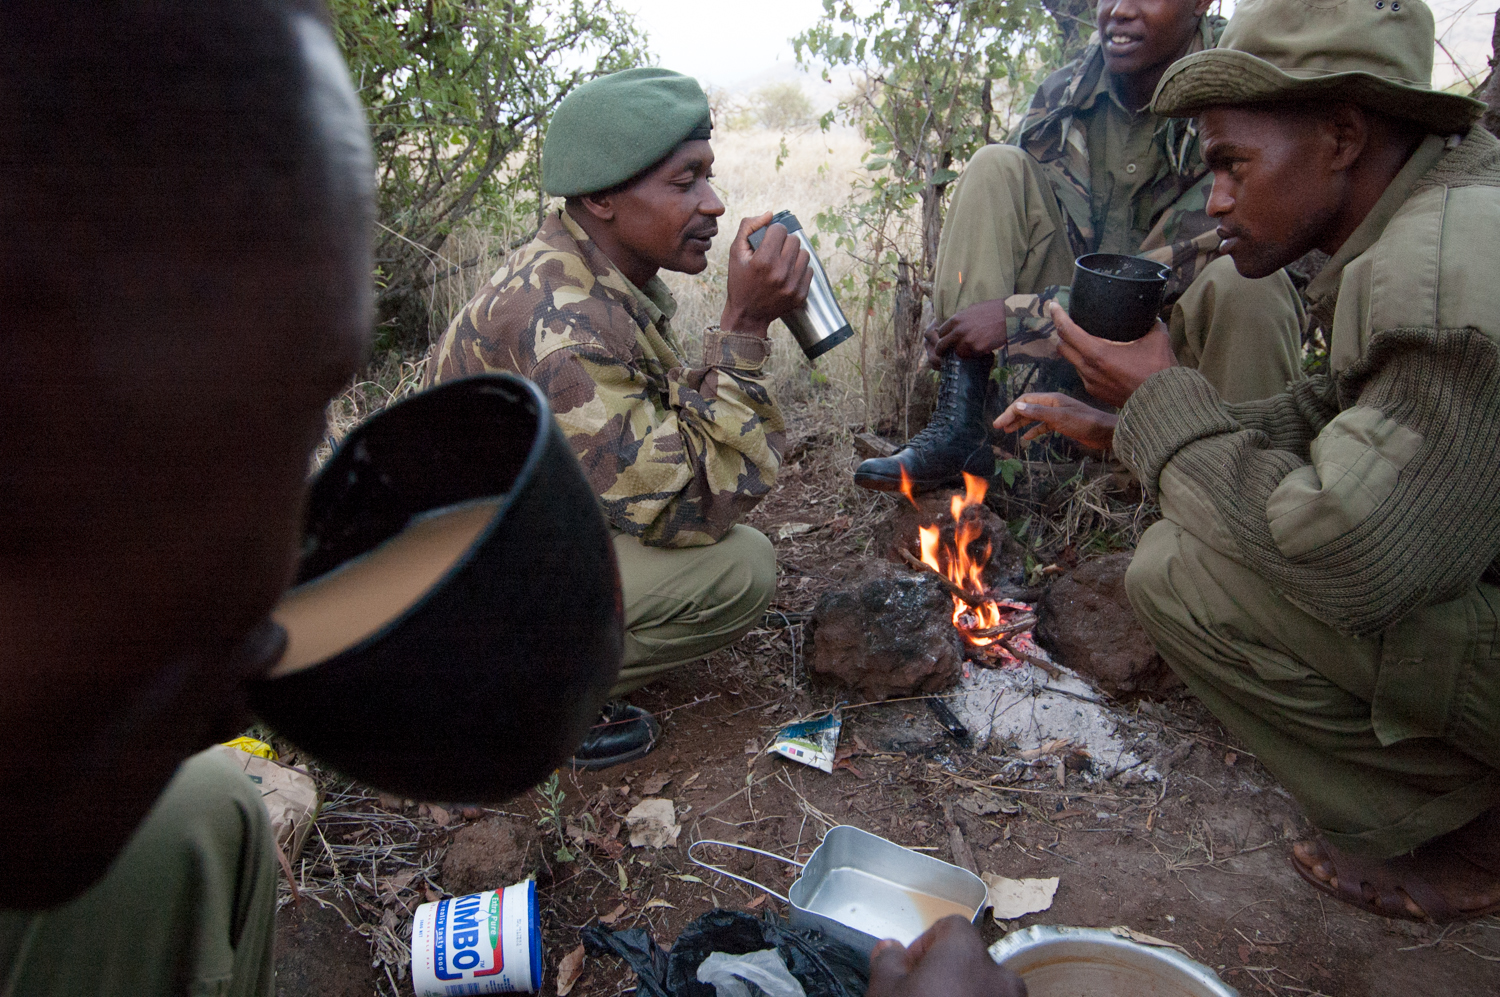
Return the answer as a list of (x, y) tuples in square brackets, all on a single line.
[(1088, 175), (676, 454)]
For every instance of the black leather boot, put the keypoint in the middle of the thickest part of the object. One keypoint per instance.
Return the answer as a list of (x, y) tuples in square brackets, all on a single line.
[(623, 734), (956, 440)]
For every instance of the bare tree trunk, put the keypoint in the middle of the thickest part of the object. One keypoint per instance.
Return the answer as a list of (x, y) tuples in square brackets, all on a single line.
[(1491, 93), (906, 329), (986, 108)]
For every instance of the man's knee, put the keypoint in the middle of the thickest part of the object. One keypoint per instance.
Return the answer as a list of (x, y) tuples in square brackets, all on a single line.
[(1243, 335), (998, 163), (750, 581), (1146, 580)]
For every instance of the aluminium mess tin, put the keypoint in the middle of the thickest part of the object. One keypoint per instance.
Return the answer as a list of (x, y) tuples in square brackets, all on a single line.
[(858, 887), (484, 943)]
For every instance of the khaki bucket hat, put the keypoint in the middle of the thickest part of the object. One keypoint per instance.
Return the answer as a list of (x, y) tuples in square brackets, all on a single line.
[(1375, 53)]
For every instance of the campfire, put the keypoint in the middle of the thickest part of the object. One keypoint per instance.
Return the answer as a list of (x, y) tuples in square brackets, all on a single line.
[(995, 630)]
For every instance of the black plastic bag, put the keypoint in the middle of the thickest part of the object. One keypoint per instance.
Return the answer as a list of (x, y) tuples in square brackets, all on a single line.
[(824, 966)]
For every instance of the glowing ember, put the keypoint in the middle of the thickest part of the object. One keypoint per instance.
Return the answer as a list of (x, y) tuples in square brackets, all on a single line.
[(962, 562)]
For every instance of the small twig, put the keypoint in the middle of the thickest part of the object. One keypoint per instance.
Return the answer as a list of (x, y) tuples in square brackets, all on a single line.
[(967, 598), (1018, 626)]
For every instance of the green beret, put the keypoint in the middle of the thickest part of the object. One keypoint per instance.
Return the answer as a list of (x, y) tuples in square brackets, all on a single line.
[(618, 126)]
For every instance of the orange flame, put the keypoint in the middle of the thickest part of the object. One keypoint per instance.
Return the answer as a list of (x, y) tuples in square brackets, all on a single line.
[(963, 562), (906, 486)]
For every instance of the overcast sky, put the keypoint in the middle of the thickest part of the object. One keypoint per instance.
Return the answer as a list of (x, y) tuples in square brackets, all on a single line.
[(725, 42)]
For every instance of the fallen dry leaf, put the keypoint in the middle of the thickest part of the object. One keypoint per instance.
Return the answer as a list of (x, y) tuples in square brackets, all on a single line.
[(1011, 898), (439, 816), (689, 781), (1230, 758), (654, 783), (793, 529), (757, 901), (1051, 747), (657, 903), (1140, 936), (568, 971), (611, 847), (653, 824), (613, 915)]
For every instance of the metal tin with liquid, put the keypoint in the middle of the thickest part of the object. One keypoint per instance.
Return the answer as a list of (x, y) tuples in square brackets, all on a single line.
[(859, 888)]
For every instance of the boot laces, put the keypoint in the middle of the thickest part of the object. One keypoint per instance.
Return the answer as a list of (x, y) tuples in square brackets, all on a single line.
[(944, 414)]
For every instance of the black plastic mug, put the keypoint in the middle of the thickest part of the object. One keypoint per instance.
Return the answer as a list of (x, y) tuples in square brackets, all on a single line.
[(1117, 297), (492, 665)]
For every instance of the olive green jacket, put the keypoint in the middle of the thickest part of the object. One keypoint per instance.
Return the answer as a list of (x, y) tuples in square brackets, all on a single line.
[(1372, 490)]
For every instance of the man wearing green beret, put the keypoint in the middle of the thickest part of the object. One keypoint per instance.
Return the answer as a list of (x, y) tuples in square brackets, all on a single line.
[(1324, 577), (1091, 170), (678, 453)]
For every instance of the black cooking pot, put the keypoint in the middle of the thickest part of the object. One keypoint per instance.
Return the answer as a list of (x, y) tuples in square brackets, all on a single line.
[(487, 677), (1117, 297)]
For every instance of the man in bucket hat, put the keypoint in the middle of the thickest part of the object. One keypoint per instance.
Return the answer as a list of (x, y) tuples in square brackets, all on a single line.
[(1091, 170), (678, 453), (1324, 577)]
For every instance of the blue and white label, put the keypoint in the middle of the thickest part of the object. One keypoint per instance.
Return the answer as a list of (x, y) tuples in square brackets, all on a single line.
[(484, 943)]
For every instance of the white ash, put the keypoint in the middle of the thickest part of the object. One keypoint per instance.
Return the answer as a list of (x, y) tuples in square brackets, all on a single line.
[(1024, 706)]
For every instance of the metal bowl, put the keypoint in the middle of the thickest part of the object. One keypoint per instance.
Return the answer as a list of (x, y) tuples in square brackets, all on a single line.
[(1095, 962)]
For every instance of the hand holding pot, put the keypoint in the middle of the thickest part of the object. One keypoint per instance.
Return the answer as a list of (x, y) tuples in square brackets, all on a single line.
[(948, 959), (1112, 371)]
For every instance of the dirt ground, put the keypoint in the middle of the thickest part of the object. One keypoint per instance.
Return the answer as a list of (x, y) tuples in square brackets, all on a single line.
[(1199, 859)]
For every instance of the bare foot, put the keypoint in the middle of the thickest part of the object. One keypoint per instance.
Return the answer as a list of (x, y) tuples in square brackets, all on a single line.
[(1454, 877)]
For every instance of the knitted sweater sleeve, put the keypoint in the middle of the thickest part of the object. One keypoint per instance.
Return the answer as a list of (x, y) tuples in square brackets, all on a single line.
[(1358, 514)]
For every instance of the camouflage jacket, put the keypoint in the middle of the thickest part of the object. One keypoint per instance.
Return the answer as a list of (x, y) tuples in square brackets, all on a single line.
[(1054, 132), (676, 454)]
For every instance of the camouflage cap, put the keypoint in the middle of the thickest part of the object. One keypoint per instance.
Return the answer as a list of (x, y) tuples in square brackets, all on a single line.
[(617, 126), (1375, 53)]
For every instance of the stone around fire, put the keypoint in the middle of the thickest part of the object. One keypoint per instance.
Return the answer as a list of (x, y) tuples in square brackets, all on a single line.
[(1086, 623), (890, 634)]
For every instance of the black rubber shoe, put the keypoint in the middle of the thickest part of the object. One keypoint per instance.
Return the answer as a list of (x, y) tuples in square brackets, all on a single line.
[(956, 440), (623, 734)]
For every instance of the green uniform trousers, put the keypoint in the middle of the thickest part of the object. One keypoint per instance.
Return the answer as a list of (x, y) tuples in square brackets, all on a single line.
[(1005, 234), (684, 603), (1386, 741), (189, 907)]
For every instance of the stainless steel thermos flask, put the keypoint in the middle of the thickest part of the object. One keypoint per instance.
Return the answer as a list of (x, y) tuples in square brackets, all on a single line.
[(819, 325)]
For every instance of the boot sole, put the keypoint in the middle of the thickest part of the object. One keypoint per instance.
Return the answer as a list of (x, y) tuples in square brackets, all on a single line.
[(889, 483)]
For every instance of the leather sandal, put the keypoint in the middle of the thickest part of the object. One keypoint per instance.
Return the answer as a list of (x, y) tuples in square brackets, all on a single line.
[(1382, 886)]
